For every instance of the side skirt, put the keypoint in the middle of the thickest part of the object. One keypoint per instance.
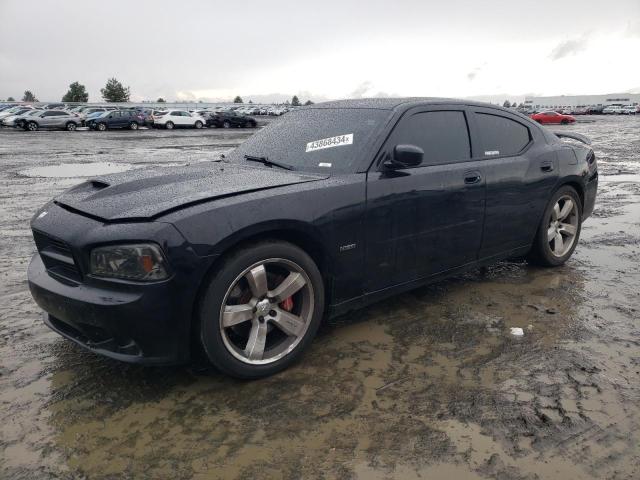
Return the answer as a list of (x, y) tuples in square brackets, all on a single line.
[(373, 297)]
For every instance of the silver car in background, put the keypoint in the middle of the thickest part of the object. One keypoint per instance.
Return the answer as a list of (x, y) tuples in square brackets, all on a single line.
[(18, 120), (53, 119)]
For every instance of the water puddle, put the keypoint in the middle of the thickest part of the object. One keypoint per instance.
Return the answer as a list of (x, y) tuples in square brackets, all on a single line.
[(67, 170)]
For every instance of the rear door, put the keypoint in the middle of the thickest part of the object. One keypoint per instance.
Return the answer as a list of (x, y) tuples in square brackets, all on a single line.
[(428, 219), (520, 171)]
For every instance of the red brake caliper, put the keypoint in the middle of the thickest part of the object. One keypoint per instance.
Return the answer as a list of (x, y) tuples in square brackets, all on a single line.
[(287, 304)]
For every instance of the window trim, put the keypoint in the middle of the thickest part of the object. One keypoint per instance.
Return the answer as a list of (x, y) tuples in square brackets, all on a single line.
[(478, 137)]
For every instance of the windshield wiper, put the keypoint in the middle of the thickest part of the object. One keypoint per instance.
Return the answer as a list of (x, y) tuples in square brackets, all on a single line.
[(266, 161)]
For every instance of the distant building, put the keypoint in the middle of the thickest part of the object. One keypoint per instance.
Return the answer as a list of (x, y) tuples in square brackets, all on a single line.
[(573, 101)]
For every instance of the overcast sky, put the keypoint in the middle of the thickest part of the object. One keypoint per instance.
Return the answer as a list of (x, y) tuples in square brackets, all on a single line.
[(264, 50)]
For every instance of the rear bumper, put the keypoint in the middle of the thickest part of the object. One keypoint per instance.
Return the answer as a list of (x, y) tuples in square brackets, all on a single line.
[(142, 325)]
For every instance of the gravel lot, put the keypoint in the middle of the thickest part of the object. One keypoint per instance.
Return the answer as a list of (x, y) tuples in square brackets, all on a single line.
[(429, 384)]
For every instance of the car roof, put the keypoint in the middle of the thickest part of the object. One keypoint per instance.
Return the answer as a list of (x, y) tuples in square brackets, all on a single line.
[(393, 103)]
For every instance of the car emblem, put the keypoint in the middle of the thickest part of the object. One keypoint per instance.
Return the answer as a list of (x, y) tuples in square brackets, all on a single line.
[(42, 215)]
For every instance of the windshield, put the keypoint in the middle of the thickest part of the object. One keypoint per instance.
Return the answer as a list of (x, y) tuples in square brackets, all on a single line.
[(326, 140)]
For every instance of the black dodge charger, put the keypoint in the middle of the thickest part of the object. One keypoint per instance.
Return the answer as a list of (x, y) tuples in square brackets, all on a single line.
[(330, 208)]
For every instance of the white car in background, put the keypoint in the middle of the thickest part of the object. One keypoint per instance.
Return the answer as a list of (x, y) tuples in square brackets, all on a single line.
[(612, 110), (17, 120), (17, 110), (178, 118), (630, 109)]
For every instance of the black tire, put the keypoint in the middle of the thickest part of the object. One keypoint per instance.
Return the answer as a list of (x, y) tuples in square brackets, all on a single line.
[(540, 253), (219, 282), (198, 124), (169, 125), (133, 126), (226, 124), (70, 126), (564, 122), (32, 126), (101, 126), (250, 125)]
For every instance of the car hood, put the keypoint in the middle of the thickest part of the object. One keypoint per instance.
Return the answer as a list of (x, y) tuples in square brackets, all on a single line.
[(144, 194)]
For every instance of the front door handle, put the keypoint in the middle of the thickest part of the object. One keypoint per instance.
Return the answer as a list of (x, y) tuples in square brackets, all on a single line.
[(546, 166), (473, 177)]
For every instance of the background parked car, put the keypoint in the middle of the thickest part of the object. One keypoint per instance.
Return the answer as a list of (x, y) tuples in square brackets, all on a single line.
[(553, 117), (54, 119), (11, 113), (19, 120), (630, 110), (612, 110), (230, 119), (117, 119), (84, 115), (17, 110), (178, 118)]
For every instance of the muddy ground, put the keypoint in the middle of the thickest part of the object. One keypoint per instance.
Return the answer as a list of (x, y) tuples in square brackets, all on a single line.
[(429, 384)]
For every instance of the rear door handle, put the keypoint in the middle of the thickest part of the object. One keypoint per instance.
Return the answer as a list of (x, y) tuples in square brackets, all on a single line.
[(546, 166), (472, 177)]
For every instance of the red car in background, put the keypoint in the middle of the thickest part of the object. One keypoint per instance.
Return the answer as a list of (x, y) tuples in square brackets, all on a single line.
[(553, 117)]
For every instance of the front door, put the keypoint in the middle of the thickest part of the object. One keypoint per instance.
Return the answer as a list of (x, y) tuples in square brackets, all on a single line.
[(425, 220)]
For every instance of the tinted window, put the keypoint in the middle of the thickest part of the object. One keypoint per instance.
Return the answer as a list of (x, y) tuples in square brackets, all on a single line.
[(443, 136), (501, 135)]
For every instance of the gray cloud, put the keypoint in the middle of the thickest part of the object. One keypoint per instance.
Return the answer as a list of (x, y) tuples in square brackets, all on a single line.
[(567, 48), (362, 89)]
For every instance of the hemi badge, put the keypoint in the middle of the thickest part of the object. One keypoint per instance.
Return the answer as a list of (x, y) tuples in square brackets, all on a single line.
[(344, 248)]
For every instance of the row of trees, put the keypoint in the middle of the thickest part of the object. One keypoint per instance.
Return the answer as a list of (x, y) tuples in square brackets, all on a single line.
[(295, 101), (114, 91)]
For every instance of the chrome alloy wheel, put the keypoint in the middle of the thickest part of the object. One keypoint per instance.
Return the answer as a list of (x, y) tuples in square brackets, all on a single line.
[(563, 226), (266, 311)]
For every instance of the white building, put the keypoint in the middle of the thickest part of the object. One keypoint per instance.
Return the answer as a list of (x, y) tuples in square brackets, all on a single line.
[(572, 101)]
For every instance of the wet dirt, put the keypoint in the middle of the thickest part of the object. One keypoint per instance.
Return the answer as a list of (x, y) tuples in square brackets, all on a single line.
[(429, 384)]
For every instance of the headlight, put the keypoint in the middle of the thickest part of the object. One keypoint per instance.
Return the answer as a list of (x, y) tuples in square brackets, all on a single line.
[(142, 262)]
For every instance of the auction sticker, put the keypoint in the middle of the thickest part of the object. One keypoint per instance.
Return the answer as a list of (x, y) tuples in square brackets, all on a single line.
[(336, 141)]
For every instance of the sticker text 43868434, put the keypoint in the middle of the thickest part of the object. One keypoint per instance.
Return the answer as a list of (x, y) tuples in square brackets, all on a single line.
[(336, 141)]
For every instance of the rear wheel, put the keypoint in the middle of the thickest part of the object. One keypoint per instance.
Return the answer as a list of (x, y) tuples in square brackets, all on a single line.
[(70, 127), (32, 126), (559, 230), (133, 126), (169, 125), (261, 310), (226, 124), (101, 126)]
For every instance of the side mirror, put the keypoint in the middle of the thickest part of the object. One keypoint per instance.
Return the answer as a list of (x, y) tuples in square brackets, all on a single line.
[(405, 156)]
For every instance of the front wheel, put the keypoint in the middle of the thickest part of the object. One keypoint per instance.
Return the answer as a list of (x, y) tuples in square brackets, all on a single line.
[(101, 126), (32, 126), (565, 122), (226, 124), (261, 309), (559, 229), (70, 127), (198, 124)]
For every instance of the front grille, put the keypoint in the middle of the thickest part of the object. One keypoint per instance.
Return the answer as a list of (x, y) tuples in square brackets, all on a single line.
[(57, 257)]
